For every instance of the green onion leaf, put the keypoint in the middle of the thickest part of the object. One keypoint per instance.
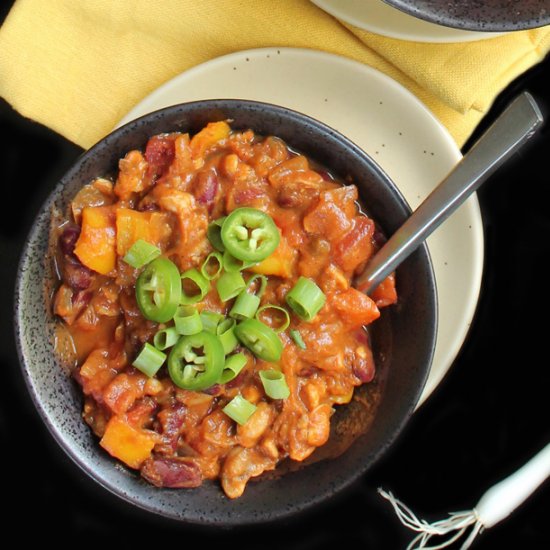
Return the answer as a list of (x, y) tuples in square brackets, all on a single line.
[(234, 364), (141, 253), (211, 320), (225, 332), (165, 338), (239, 409), (306, 299), (297, 337), (187, 321), (232, 264), (214, 234), (212, 266), (245, 306), (283, 325), (247, 302), (230, 285), (194, 287), (149, 360), (274, 383)]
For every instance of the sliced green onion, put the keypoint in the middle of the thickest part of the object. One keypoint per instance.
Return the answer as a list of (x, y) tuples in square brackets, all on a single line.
[(234, 364), (245, 306), (232, 264), (297, 337), (149, 360), (165, 338), (274, 383), (239, 409), (230, 285), (210, 271), (214, 234), (263, 284), (211, 320), (194, 287), (305, 298), (141, 253), (187, 321), (283, 326), (226, 334), (247, 302)]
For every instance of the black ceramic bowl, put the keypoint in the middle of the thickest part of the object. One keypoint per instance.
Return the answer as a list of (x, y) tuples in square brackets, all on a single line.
[(479, 15), (403, 340)]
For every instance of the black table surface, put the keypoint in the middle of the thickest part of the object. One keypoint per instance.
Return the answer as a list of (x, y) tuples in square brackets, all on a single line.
[(489, 415)]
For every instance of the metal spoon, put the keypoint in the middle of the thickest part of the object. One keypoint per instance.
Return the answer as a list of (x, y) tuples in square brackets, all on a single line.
[(501, 140)]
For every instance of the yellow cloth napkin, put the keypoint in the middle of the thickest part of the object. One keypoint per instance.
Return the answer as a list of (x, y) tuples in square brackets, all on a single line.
[(78, 66)]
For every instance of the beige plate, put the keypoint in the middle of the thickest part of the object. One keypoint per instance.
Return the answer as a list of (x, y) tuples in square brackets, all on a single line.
[(376, 16), (383, 118)]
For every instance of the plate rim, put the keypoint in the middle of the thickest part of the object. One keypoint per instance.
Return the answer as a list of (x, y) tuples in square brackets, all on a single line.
[(472, 24), (436, 376), (444, 34)]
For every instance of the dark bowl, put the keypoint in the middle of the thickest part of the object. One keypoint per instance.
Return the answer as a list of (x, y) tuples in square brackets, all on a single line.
[(404, 338), (479, 15)]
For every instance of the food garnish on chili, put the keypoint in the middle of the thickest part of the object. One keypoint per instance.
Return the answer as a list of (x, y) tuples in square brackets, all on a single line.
[(208, 292)]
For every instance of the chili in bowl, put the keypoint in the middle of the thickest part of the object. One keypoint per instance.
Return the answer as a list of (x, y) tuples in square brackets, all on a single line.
[(198, 287)]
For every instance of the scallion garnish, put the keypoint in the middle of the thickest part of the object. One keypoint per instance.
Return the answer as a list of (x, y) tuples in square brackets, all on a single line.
[(187, 321), (195, 287), (247, 302), (211, 320), (149, 360), (305, 298), (214, 234), (212, 266), (274, 383), (239, 409), (230, 285), (232, 264), (283, 325), (141, 253), (297, 337), (234, 364), (226, 334), (165, 338)]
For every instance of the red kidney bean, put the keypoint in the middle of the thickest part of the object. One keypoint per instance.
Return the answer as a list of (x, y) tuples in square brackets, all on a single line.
[(68, 238), (74, 274), (176, 473), (206, 188), (159, 154)]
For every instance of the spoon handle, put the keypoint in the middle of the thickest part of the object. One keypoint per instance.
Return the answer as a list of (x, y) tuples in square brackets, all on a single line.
[(505, 136)]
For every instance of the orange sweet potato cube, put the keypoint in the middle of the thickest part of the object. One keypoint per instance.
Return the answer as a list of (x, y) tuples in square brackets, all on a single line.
[(96, 245), (132, 446)]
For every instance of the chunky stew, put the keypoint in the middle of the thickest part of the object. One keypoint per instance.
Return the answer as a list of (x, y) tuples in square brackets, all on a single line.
[(206, 290)]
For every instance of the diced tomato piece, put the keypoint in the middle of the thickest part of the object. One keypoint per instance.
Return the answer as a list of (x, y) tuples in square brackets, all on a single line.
[(132, 175), (123, 390), (96, 373), (356, 246), (385, 293), (333, 215), (355, 308)]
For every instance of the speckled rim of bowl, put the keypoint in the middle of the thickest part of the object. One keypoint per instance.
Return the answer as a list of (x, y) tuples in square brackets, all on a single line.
[(479, 15), (59, 399)]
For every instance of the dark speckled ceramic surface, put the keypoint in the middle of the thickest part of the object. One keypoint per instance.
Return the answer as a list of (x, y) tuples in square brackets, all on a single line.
[(404, 342), (479, 15)]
